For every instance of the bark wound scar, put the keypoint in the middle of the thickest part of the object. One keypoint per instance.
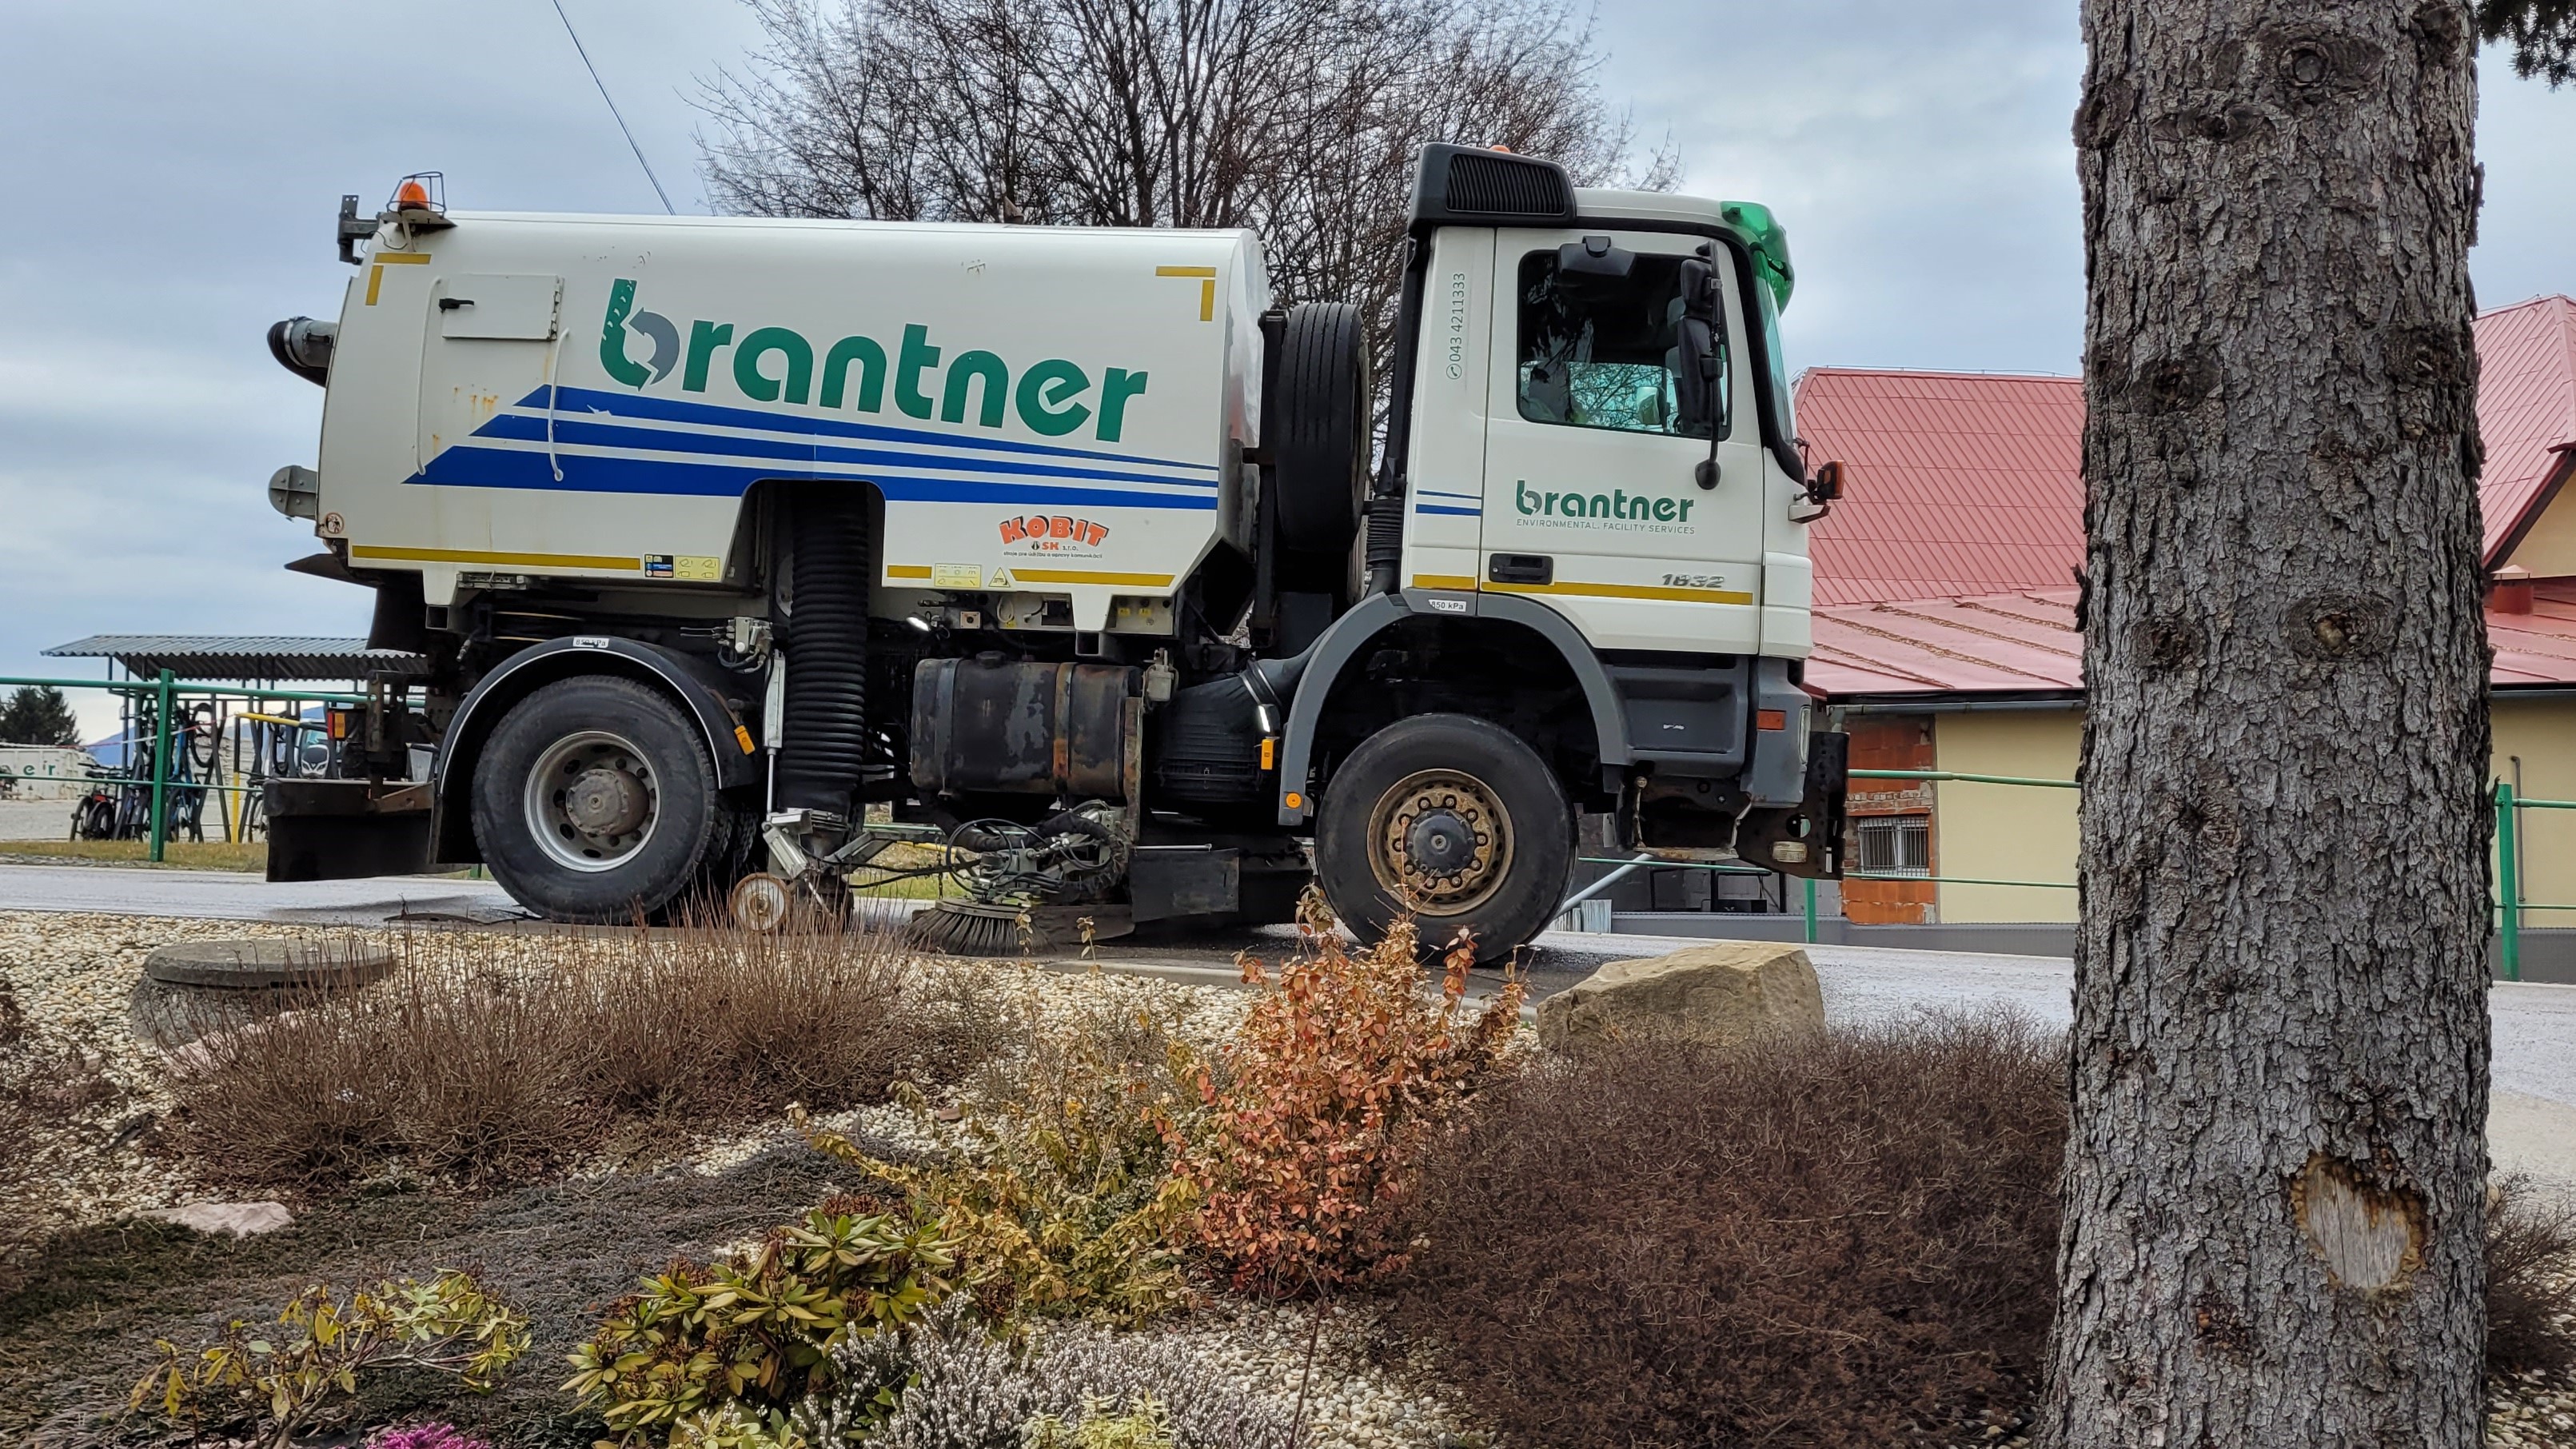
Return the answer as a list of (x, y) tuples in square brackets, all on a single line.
[(2336, 626), (2370, 1235)]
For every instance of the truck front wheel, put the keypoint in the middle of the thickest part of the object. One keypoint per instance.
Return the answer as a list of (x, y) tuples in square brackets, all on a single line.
[(1452, 819), (594, 800)]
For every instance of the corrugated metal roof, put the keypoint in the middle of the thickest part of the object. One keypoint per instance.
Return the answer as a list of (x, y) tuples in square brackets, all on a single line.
[(1970, 483), (221, 657), (2526, 406), (2025, 643)]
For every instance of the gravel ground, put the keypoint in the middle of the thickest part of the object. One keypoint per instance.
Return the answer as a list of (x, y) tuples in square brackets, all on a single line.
[(571, 1245)]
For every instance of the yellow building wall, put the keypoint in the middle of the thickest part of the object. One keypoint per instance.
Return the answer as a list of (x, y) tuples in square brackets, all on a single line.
[(2549, 549), (2006, 832), (2542, 732)]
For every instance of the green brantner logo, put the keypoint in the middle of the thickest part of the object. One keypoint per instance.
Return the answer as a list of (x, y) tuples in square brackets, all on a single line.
[(1617, 509), (1053, 397)]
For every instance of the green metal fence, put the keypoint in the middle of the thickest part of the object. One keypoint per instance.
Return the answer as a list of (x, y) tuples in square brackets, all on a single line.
[(2509, 905), (165, 692)]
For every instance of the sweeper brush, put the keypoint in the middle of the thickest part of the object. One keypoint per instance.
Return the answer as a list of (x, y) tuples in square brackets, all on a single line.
[(972, 928)]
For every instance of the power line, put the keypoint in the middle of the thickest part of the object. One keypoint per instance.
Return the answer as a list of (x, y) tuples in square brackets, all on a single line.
[(584, 52)]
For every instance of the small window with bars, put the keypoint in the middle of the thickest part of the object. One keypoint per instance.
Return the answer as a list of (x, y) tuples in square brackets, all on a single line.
[(1895, 844)]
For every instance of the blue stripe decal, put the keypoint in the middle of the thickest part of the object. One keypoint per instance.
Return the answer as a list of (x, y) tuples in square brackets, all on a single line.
[(1444, 493), (575, 430), (1460, 512), (577, 400), (466, 466)]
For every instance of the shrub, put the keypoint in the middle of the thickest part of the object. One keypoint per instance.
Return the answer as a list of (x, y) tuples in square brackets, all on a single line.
[(425, 1436), (1334, 1076), (752, 1336), (1143, 1425), (967, 1390), (449, 1326), (1066, 1205), (493, 1056), (1843, 1239), (2531, 1280)]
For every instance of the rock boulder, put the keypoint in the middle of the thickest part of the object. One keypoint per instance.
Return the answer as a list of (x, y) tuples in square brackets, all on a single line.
[(1722, 992)]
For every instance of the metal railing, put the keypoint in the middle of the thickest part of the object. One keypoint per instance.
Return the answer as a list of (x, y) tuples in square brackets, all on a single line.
[(165, 692), (2509, 906)]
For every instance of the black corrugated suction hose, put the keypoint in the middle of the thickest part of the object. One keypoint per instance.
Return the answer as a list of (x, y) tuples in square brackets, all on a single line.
[(824, 745)]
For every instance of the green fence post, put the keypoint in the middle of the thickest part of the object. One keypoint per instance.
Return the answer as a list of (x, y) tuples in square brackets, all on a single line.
[(2508, 885), (1811, 910), (161, 765)]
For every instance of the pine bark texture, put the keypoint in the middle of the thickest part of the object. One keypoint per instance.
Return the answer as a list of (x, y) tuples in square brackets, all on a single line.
[(2274, 1183)]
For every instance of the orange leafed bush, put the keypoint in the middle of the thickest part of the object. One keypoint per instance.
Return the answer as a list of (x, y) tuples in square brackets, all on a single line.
[(1336, 1074)]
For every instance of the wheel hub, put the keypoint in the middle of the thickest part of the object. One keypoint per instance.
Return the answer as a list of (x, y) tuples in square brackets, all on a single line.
[(606, 802), (592, 801), (1441, 842)]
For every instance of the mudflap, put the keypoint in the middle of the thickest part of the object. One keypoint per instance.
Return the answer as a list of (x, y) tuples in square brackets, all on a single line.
[(1806, 841), (346, 829)]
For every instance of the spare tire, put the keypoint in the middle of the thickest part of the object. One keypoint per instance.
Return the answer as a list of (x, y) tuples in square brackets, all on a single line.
[(1320, 441)]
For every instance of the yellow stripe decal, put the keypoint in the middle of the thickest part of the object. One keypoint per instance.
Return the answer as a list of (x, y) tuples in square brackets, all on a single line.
[(1090, 576), (399, 258), (907, 571), (1595, 591), (628, 564), (1630, 591), (1207, 287)]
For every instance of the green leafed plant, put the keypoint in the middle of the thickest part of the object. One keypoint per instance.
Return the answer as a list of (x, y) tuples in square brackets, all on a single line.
[(449, 1325), (1144, 1425), (1068, 1207), (755, 1333)]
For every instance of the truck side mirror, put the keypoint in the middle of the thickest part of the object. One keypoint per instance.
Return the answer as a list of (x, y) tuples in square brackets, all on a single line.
[(1700, 356)]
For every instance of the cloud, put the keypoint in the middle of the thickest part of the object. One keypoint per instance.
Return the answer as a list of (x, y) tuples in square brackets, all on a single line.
[(175, 168)]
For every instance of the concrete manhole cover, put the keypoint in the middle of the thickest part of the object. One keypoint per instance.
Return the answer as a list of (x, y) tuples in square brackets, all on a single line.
[(266, 965)]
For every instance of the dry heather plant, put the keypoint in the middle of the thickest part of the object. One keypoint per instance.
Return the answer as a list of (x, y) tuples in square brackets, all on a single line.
[(2531, 1279), (487, 1056), (1836, 1239), (1335, 1077)]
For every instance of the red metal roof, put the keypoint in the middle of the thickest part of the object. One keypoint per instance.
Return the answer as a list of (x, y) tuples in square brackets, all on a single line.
[(2025, 642), (1961, 484), (2526, 407), (1955, 483)]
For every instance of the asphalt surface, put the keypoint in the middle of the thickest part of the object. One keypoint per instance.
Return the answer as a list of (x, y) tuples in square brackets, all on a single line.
[(2533, 1127)]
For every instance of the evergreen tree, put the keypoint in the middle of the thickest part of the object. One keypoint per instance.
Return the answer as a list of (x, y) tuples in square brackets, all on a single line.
[(38, 715)]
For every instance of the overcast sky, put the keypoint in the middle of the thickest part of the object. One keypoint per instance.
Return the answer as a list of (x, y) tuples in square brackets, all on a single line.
[(171, 170)]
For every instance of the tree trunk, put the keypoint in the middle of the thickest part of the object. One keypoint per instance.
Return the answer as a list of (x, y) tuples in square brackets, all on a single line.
[(2275, 1179)]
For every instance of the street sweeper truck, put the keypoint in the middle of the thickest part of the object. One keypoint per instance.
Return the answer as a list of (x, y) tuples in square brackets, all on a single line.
[(723, 552)]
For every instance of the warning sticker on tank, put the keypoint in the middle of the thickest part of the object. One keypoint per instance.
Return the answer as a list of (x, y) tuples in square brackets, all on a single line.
[(696, 568), (957, 576)]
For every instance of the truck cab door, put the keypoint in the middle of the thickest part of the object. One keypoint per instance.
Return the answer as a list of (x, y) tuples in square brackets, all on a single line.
[(1595, 493)]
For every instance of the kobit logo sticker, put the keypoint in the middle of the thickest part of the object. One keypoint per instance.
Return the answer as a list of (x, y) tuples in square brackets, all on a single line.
[(1052, 531)]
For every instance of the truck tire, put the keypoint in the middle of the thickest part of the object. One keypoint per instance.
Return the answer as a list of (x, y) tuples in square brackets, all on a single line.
[(1454, 819), (1321, 449), (594, 801)]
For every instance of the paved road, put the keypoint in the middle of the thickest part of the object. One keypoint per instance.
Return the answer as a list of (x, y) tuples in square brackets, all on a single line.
[(2534, 1124)]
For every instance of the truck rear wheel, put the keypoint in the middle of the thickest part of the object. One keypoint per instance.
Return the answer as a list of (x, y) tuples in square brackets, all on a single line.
[(594, 801), (1453, 819)]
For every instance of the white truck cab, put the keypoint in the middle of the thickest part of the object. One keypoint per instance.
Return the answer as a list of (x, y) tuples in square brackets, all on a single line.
[(1066, 544)]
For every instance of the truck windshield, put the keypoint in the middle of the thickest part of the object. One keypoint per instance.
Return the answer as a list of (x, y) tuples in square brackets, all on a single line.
[(1597, 353)]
